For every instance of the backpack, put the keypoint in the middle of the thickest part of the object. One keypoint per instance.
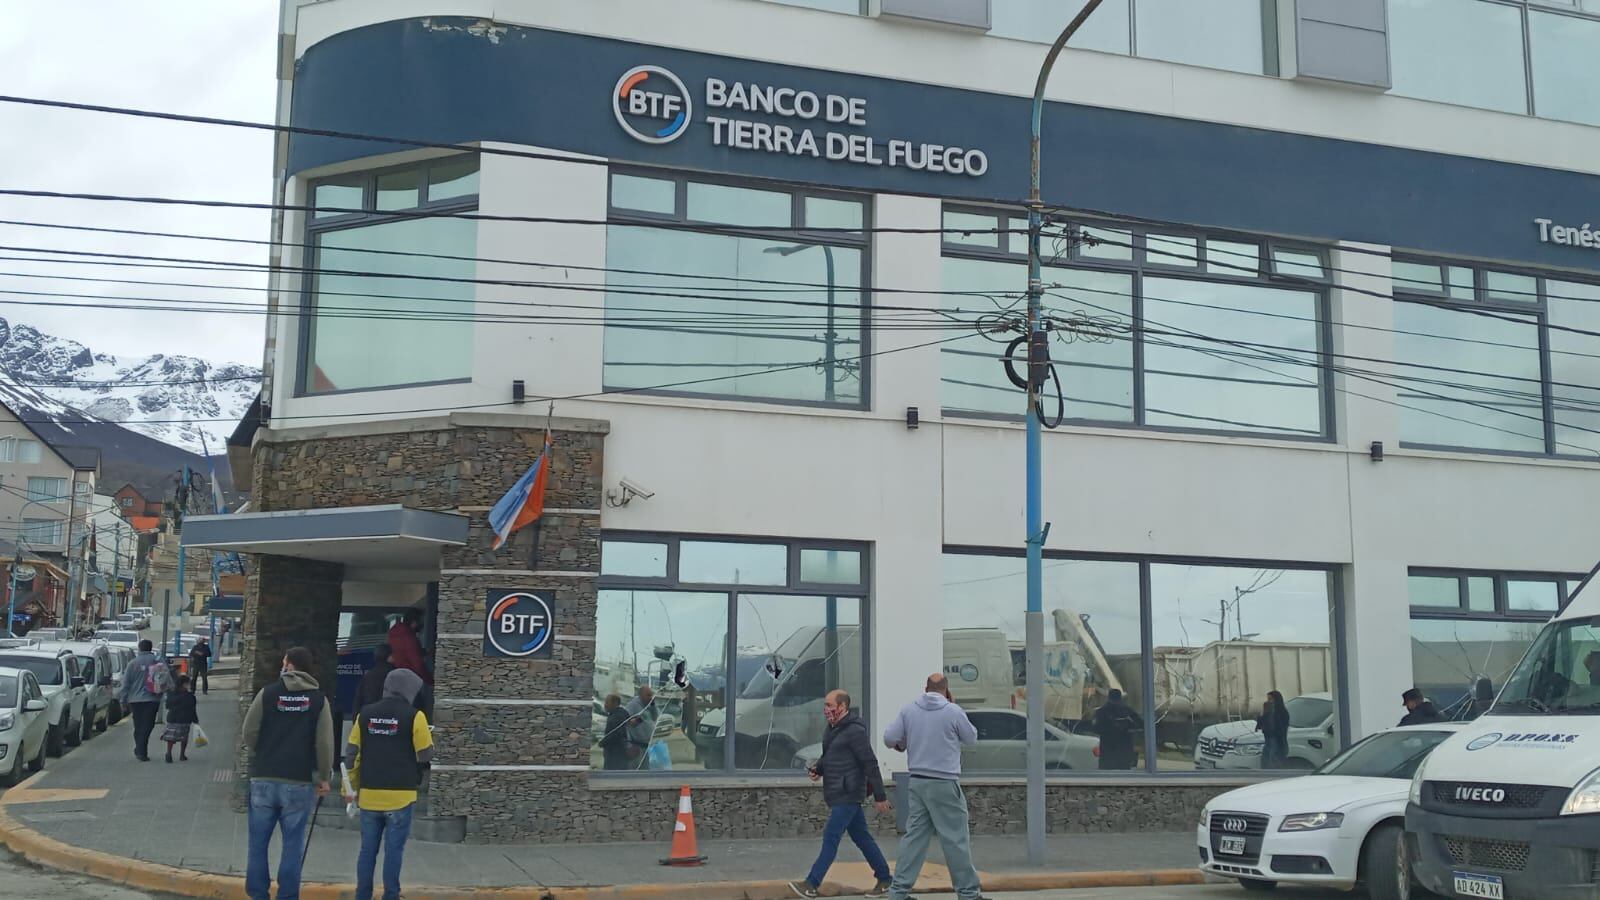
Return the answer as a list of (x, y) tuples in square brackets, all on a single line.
[(157, 678)]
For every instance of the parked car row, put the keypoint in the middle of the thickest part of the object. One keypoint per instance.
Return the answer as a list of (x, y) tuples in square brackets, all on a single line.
[(54, 695)]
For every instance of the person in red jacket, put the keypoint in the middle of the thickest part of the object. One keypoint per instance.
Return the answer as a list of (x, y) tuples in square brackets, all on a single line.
[(405, 650)]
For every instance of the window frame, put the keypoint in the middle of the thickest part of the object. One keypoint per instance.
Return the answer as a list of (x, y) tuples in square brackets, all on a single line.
[(1148, 768), (369, 216), (1502, 611), (793, 586), (679, 220), (1536, 308), (1013, 223)]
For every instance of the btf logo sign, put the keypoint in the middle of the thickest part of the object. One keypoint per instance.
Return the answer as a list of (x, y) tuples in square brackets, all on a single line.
[(652, 105), (519, 624)]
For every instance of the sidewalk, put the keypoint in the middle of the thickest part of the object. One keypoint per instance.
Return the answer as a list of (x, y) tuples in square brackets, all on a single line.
[(177, 815)]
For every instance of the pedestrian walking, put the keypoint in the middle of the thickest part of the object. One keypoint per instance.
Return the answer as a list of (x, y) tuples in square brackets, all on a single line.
[(1419, 709), (388, 748), (642, 714), (289, 730), (183, 714), (848, 770), (200, 664), (143, 683), (1273, 723), (931, 730), (1116, 723)]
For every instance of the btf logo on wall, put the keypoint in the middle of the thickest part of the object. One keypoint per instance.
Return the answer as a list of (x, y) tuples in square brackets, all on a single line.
[(652, 105), (519, 624)]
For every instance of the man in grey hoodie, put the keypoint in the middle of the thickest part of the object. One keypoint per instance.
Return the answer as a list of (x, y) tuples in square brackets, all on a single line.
[(289, 731), (141, 703), (930, 731)]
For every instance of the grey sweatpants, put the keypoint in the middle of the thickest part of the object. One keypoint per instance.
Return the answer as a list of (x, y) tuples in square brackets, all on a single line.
[(938, 807)]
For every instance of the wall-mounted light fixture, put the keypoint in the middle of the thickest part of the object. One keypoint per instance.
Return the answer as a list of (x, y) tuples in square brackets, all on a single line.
[(1376, 451), (912, 418), (519, 391)]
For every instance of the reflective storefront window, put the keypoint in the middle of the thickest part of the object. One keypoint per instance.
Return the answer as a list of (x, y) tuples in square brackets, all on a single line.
[(1469, 629), (1223, 637), (1565, 51), (1574, 336), (1467, 52), (391, 298), (683, 647), (743, 316)]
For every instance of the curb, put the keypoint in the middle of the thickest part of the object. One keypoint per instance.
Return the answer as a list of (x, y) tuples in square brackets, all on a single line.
[(158, 878)]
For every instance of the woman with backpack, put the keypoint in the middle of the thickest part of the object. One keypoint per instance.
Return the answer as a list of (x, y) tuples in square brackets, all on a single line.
[(182, 715)]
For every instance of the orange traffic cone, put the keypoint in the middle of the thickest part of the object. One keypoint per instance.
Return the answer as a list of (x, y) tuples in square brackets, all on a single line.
[(685, 850)]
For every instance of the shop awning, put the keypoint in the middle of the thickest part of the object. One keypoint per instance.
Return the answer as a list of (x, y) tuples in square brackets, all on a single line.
[(367, 536)]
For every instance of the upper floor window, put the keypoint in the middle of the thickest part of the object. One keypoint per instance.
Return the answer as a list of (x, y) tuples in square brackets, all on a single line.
[(1229, 337), (852, 7), (1517, 56), (47, 489), (1239, 35), (19, 450), (1473, 346), (735, 291), (42, 531), (389, 301)]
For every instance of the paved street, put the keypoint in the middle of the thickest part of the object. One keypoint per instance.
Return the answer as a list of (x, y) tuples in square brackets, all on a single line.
[(19, 881)]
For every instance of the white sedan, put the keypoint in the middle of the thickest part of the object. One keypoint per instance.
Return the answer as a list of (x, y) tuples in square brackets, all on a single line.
[(1336, 827), (23, 725)]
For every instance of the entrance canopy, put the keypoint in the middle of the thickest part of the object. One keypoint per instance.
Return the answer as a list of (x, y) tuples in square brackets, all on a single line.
[(378, 537)]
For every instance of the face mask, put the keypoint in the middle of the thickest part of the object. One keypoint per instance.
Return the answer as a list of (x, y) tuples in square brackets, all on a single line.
[(834, 714)]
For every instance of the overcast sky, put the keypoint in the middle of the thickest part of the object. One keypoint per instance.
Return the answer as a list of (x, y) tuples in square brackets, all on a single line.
[(192, 56)]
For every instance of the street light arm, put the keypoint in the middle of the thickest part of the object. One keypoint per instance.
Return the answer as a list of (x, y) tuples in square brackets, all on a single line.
[(1044, 78)]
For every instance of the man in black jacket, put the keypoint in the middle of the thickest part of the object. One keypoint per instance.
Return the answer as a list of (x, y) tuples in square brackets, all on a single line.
[(1116, 723), (1419, 709), (848, 769)]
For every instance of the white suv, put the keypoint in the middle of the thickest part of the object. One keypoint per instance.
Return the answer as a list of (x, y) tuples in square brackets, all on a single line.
[(61, 679), (96, 665)]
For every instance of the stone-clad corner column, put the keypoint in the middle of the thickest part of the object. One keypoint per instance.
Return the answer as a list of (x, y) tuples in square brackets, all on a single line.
[(288, 602), (512, 735)]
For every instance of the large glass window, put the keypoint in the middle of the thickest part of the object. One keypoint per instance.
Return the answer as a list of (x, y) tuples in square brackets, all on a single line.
[(1574, 335), (718, 311), (1469, 378), (19, 450), (1041, 21), (1471, 368), (1221, 34), (41, 532), (1222, 637), (1226, 639), (390, 300), (1222, 350), (683, 647), (1468, 629), (1467, 52), (1565, 52)]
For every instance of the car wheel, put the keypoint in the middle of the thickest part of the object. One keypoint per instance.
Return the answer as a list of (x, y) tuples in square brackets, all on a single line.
[(1256, 884), (55, 740), (37, 765), (104, 722), (1383, 859), (13, 776), (115, 715), (74, 734), (88, 726)]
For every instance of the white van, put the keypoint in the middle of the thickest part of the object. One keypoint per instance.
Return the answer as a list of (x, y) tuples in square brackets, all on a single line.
[(1509, 807)]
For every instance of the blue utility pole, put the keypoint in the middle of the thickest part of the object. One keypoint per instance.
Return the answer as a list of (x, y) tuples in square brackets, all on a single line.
[(1037, 529)]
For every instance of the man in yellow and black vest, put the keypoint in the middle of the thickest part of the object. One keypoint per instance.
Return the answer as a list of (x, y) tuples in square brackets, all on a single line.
[(389, 745), (289, 731)]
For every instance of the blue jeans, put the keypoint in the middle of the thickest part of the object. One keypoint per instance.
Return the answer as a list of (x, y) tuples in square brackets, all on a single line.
[(275, 805), (852, 818), (390, 829)]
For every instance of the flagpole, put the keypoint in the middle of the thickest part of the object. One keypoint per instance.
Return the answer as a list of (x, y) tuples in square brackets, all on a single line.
[(538, 524)]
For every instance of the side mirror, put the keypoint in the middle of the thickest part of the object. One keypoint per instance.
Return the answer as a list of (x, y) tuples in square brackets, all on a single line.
[(35, 706), (77, 681), (105, 680)]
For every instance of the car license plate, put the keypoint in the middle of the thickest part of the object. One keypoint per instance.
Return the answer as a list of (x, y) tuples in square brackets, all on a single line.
[(1469, 884), (1203, 763), (1235, 847)]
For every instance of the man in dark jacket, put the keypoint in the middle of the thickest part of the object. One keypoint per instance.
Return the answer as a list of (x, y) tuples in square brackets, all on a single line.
[(289, 731), (1419, 709), (1115, 723), (848, 769), (389, 745), (370, 690), (200, 664)]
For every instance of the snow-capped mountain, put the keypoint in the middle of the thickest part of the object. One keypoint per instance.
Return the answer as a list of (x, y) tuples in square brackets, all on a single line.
[(179, 400)]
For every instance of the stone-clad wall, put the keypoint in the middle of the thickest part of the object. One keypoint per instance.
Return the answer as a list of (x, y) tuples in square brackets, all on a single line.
[(534, 715)]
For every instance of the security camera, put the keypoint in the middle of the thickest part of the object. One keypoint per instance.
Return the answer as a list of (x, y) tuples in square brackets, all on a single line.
[(627, 489), (636, 489)]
